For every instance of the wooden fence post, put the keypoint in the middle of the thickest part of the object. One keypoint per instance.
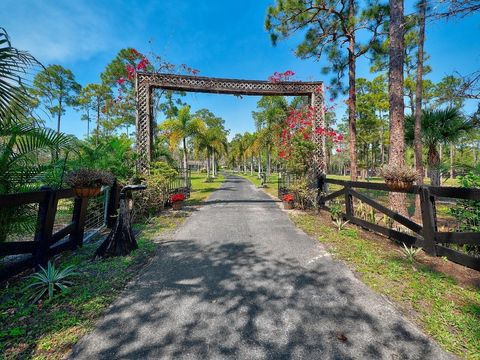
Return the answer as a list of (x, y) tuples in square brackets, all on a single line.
[(321, 188), (427, 202), (348, 201), (45, 222), (78, 219)]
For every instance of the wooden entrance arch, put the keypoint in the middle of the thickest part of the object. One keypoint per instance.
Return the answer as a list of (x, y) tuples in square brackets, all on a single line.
[(146, 82)]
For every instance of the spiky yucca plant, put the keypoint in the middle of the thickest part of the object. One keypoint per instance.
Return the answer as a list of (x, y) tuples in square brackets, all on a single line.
[(410, 253), (47, 281), (340, 224)]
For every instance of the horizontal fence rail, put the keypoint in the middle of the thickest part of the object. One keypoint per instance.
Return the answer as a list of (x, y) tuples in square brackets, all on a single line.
[(425, 235), (88, 216), (48, 241)]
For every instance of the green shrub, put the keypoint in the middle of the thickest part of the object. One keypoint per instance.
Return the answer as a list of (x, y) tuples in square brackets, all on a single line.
[(335, 210), (152, 200), (305, 197)]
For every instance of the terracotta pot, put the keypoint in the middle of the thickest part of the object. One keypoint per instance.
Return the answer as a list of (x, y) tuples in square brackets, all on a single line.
[(399, 185), (177, 205), (82, 192), (288, 205)]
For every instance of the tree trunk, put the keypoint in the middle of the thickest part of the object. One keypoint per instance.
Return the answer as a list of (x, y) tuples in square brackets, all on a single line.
[(268, 161), (214, 166), (475, 155), (452, 161), (251, 165), (434, 166), (98, 121), (352, 95), (396, 92), (121, 240), (418, 146), (185, 163), (259, 164)]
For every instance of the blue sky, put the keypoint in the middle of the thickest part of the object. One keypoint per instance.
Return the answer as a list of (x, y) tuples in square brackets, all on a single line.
[(221, 38)]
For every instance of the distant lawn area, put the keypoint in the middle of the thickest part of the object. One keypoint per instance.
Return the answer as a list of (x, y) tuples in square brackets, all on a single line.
[(201, 189)]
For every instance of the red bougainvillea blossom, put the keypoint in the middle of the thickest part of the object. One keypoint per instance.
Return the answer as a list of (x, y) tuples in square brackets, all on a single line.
[(142, 65), (299, 122), (139, 62), (130, 71)]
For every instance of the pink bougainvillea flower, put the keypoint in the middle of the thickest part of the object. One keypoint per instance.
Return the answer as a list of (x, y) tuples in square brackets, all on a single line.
[(340, 137), (195, 71), (142, 65), (130, 71), (135, 52), (339, 150)]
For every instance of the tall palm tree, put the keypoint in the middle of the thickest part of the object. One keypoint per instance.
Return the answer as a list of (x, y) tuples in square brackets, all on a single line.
[(14, 68), (251, 150), (179, 129), (440, 126), (212, 140)]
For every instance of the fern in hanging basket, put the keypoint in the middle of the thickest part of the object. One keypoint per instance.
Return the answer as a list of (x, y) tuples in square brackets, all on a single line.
[(399, 177)]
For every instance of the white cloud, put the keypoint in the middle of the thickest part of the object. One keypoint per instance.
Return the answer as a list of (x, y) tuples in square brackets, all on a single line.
[(61, 30)]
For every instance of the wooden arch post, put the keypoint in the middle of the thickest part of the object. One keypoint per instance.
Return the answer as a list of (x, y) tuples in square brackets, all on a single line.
[(146, 82)]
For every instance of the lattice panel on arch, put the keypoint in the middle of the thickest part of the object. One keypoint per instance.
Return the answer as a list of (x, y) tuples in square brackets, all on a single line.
[(228, 86), (146, 81)]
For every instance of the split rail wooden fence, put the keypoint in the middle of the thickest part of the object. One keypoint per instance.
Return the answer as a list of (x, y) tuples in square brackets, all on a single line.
[(425, 235)]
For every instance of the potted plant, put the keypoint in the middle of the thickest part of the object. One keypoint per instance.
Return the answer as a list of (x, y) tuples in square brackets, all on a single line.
[(399, 178), (88, 182), (288, 201), (177, 201)]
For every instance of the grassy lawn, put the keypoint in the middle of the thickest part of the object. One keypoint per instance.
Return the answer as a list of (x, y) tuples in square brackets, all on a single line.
[(447, 311), (49, 329), (201, 190), (272, 181)]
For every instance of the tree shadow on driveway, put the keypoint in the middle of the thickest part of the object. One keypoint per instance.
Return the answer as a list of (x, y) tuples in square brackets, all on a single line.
[(235, 300)]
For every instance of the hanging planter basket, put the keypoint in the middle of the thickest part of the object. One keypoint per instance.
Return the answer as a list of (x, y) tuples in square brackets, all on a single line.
[(83, 192), (399, 185)]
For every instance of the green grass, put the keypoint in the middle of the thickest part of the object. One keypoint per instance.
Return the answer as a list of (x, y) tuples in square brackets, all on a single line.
[(447, 311), (50, 329), (201, 189)]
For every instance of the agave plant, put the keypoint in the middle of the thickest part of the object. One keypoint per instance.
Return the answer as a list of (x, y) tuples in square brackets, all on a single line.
[(410, 253), (340, 224), (47, 281)]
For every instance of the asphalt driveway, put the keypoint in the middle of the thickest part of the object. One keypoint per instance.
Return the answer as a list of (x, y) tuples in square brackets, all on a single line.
[(240, 281)]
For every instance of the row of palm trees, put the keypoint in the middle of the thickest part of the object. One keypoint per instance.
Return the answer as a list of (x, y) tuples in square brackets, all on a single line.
[(202, 132)]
